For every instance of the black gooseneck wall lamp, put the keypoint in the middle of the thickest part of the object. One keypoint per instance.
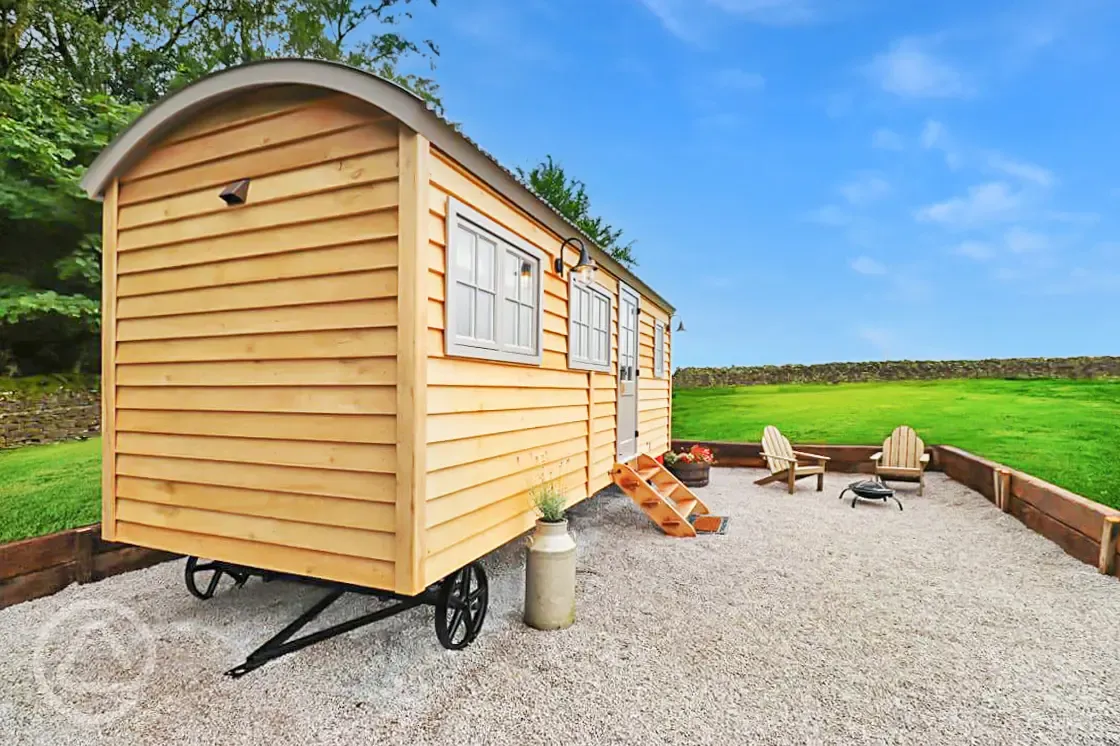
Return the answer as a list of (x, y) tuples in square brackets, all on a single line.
[(584, 271)]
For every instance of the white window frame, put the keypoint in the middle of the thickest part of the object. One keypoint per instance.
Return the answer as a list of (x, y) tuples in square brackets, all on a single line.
[(459, 346), (594, 291), (658, 349)]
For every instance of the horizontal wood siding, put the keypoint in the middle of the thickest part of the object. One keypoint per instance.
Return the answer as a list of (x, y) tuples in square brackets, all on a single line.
[(255, 361), (496, 430), (654, 394)]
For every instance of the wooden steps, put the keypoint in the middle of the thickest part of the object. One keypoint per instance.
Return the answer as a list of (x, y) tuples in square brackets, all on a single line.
[(659, 494)]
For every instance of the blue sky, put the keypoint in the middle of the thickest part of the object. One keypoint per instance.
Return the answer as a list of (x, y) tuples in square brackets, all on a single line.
[(818, 180)]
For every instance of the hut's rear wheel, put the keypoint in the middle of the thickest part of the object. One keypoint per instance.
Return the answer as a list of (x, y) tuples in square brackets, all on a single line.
[(461, 606), (203, 578)]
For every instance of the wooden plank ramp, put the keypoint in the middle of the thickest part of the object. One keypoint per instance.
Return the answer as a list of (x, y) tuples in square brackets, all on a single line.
[(659, 494)]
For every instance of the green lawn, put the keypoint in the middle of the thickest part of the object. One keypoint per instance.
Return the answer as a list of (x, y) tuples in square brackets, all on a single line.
[(1067, 432), (49, 488)]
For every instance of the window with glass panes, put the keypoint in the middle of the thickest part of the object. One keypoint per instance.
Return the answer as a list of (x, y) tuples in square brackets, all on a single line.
[(493, 304), (589, 327)]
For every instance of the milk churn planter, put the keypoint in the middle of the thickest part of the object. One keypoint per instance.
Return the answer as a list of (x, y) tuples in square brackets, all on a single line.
[(550, 568)]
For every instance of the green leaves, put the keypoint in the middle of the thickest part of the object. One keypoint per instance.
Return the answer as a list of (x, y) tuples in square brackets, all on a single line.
[(569, 196), (21, 304), (73, 73), (50, 238), (138, 50)]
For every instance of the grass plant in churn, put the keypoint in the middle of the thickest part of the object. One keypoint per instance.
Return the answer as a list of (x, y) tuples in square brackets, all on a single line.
[(550, 567)]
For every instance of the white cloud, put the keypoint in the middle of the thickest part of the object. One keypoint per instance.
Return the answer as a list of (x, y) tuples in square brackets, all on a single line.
[(739, 80), (936, 137), (1007, 274), (881, 339), (865, 265), (689, 19), (1022, 170), (1073, 218), (984, 203), (839, 104), (885, 139), (1022, 241), (910, 70), (831, 215), (1083, 280), (1108, 249), (717, 122), (865, 189), (933, 134), (773, 12), (977, 250)]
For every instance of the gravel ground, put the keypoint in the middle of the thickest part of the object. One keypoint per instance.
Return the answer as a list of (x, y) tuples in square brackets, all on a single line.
[(809, 622)]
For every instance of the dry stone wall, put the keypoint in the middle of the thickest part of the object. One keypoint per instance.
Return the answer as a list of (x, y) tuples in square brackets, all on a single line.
[(48, 416), (899, 370)]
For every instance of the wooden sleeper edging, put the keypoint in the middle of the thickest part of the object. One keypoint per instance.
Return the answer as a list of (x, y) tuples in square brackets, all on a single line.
[(42, 565), (1085, 529)]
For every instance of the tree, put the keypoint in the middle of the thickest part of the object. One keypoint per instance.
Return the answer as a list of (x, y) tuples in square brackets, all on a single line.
[(50, 243), (138, 50), (74, 72), (569, 196)]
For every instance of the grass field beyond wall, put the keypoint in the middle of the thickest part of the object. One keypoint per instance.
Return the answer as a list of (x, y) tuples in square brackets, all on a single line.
[(49, 488), (1066, 432)]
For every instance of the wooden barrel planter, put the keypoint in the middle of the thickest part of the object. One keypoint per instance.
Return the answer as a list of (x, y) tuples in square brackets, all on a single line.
[(691, 475)]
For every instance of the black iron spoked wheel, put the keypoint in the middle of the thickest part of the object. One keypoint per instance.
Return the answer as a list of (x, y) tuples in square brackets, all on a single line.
[(202, 578), (461, 606)]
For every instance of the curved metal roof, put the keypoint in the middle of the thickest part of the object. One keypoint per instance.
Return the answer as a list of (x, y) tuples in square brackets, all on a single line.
[(167, 114)]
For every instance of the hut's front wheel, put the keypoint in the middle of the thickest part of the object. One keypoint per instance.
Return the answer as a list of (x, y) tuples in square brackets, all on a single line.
[(202, 578), (461, 606)]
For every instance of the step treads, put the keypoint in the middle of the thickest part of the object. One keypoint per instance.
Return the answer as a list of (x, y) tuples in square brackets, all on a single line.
[(685, 507)]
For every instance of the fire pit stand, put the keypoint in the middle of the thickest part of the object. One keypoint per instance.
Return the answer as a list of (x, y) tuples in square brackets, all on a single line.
[(870, 489)]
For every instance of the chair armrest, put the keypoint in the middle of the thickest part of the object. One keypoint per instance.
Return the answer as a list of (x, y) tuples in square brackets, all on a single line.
[(812, 455), (779, 458), (925, 458), (878, 456)]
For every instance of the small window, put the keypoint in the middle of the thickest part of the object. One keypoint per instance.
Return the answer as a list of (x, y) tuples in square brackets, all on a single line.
[(494, 290), (658, 349), (589, 327)]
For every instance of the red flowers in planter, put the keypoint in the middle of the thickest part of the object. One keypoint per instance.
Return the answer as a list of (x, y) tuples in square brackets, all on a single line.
[(698, 454)]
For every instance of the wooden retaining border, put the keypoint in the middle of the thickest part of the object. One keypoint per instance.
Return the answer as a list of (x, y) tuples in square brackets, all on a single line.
[(43, 565), (1086, 530), (849, 459)]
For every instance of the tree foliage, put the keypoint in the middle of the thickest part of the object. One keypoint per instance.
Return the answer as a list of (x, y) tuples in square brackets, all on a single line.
[(50, 243), (138, 50), (75, 72), (569, 196)]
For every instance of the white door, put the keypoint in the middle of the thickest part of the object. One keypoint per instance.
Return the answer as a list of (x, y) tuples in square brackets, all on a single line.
[(627, 373)]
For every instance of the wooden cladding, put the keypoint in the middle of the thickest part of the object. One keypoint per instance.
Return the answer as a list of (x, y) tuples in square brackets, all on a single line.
[(495, 430), (255, 350), (277, 391)]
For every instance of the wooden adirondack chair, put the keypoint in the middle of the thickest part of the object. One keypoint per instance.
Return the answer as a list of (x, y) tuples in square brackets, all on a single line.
[(782, 461), (903, 458)]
